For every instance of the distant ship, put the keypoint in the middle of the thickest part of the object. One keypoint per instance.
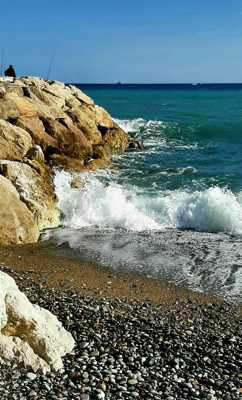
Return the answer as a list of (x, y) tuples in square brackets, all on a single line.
[(119, 83)]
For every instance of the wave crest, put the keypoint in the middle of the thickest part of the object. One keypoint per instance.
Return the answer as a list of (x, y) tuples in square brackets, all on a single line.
[(136, 124), (110, 205)]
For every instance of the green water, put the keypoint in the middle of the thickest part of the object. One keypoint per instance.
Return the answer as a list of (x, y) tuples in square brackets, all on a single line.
[(201, 129), (174, 209)]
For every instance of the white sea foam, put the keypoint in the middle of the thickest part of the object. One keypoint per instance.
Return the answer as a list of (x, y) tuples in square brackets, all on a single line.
[(111, 205), (154, 134), (178, 171), (99, 205), (134, 125), (187, 170)]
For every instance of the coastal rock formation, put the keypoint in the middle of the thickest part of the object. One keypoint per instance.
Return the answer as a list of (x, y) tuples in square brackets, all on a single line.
[(66, 162), (135, 145), (46, 125), (29, 334), (103, 118), (35, 189), (14, 141), (60, 118), (17, 223)]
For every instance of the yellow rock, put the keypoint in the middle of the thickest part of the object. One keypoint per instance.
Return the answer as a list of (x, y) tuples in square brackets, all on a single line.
[(17, 223), (14, 141)]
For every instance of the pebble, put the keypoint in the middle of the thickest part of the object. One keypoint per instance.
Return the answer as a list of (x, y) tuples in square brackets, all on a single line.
[(31, 376), (137, 350)]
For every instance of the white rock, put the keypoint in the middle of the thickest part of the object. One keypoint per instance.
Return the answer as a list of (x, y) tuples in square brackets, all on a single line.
[(35, 191), (101, 395), (29, 334), (31, 376)]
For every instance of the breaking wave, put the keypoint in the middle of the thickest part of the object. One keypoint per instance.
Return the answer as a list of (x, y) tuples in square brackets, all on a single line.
[(106, 204), (134, 125), (158, 134)]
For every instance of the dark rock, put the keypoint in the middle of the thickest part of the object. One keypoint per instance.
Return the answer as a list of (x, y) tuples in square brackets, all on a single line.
[(135, 145)]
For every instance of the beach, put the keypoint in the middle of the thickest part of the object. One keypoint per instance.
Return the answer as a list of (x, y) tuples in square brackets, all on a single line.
[(135, 337), (141, 261), (53, 267), (121, 200)]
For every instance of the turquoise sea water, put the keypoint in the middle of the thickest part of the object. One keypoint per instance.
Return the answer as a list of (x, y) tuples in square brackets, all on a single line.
[(174, 209), (193, 127)]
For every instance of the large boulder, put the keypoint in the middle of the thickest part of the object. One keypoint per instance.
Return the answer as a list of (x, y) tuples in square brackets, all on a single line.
[(72, 141), (103, 152), (103, 119), (37, 130), (67, 163), (32, 81), (8, 109), (25, 106), (29, 334), (116, 139), (85, 119), (14, 141), (36, 190), (97, 164), (17, 223), (59, 89)]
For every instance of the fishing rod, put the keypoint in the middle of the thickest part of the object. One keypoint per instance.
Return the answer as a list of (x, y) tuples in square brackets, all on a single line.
[(51, 64), (2, 61)]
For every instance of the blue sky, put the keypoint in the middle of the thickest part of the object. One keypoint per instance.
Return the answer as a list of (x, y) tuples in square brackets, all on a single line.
[(128, 40)]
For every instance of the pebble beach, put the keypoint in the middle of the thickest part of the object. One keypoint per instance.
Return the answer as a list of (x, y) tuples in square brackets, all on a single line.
[(134, 339)]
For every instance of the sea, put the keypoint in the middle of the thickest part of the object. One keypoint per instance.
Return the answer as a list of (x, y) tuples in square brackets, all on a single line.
[(174, 210)]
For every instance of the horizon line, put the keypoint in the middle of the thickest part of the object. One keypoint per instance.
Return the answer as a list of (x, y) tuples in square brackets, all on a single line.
[(157, 83)]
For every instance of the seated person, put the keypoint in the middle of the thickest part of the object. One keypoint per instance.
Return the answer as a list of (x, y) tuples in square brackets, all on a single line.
[(10, 72)]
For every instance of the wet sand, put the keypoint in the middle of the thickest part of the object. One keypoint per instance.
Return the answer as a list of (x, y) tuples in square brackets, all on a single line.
[(135, 337), (51, 266)]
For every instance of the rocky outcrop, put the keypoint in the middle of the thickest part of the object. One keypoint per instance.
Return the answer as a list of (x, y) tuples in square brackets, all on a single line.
[(135, 145), (67, 163), (17, 223), (29, 335), (35, 188), (14, 142), (117, 141), (60, 118), (46, 125)]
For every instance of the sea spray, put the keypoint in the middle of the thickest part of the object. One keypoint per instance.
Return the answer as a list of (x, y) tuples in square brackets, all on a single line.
[(137, 124), (104, 203), (188, 177), (99, 204)]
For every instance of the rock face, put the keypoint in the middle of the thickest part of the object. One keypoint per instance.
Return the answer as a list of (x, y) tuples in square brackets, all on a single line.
[(14, 142), (29, 334), (17, 223), (35, 189), (59, 118), (46, 124)]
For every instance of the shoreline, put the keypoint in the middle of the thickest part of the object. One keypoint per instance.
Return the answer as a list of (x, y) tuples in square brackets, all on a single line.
[(170, 344), (51, 266)]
